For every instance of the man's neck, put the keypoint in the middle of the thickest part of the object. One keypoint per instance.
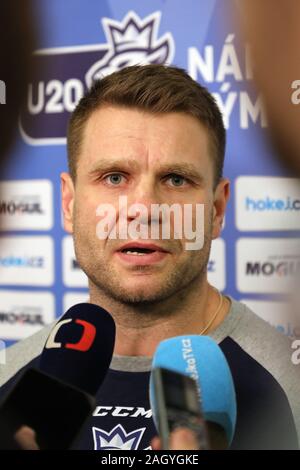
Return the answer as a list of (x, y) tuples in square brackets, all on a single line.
[(139, 330)]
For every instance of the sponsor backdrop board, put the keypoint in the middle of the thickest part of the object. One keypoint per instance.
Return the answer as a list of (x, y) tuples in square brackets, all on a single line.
[(253, 260)]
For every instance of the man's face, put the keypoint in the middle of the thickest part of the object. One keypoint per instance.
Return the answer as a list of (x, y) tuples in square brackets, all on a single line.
[(150, 159)]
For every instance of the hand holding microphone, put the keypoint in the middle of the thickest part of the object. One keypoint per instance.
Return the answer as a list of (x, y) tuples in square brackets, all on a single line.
[(191, 386), (180, 439)]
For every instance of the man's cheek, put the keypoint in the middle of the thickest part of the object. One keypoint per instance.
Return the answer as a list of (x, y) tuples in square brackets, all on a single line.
[(86, 215)]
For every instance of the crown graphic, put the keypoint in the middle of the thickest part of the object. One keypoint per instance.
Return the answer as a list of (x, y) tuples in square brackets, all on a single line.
[(117, 443), (132, 32), (117, 438), (132, 41)]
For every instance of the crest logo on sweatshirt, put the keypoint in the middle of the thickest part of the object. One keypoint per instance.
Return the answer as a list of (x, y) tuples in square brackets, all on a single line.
[(64, 74), (117, 438)]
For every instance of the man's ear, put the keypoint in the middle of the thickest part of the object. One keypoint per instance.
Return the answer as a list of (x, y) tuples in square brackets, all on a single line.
[(221, 196), (67, 194)]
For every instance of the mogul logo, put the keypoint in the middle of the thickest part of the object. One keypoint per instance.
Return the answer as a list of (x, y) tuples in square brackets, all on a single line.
[(117, 438), (20, 207), (65, 74), (26, 205), (22, 318), (269, 268), (267, 265)]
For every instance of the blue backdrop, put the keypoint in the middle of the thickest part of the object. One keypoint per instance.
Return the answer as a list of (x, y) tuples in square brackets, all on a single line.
[(255, 257)]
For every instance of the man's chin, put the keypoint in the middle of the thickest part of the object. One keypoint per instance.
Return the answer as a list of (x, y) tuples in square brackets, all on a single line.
[(141, 296)]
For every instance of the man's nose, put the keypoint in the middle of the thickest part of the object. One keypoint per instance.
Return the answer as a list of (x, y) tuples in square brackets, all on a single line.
[(144, 196)]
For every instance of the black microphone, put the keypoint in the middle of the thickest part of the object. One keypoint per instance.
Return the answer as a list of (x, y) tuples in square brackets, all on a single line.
[(79, 349), (56, 399)]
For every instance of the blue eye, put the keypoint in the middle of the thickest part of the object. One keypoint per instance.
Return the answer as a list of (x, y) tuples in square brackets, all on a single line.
[(115, 178), (177, 180)]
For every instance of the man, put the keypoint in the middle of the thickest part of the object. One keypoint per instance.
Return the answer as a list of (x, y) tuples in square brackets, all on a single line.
[(152, 135)]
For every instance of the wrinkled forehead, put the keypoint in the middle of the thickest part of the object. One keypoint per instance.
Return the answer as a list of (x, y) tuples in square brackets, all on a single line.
[(142, 138)]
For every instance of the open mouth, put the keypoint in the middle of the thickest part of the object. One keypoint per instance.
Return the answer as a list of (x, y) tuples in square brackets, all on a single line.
[(137, 251), (141, 254)]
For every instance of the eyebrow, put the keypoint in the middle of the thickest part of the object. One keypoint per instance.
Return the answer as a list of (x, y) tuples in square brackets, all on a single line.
[(184, 169), (109, 165)]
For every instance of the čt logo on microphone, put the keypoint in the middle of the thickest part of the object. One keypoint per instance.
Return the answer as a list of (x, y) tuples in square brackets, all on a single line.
[(84, 343)]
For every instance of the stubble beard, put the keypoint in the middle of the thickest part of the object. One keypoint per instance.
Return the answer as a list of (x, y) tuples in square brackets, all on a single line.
[(106, 279)]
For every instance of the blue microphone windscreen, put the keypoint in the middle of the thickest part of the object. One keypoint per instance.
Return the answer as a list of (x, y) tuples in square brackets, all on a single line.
[(80, 346), (202, 359)]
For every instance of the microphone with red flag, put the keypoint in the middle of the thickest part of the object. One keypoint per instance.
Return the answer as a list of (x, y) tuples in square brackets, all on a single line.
[(56, 399)]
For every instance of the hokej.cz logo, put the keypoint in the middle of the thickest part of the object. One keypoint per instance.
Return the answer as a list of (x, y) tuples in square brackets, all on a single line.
[(65, 73), (22, 261), (117, 438), (268, 203)]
